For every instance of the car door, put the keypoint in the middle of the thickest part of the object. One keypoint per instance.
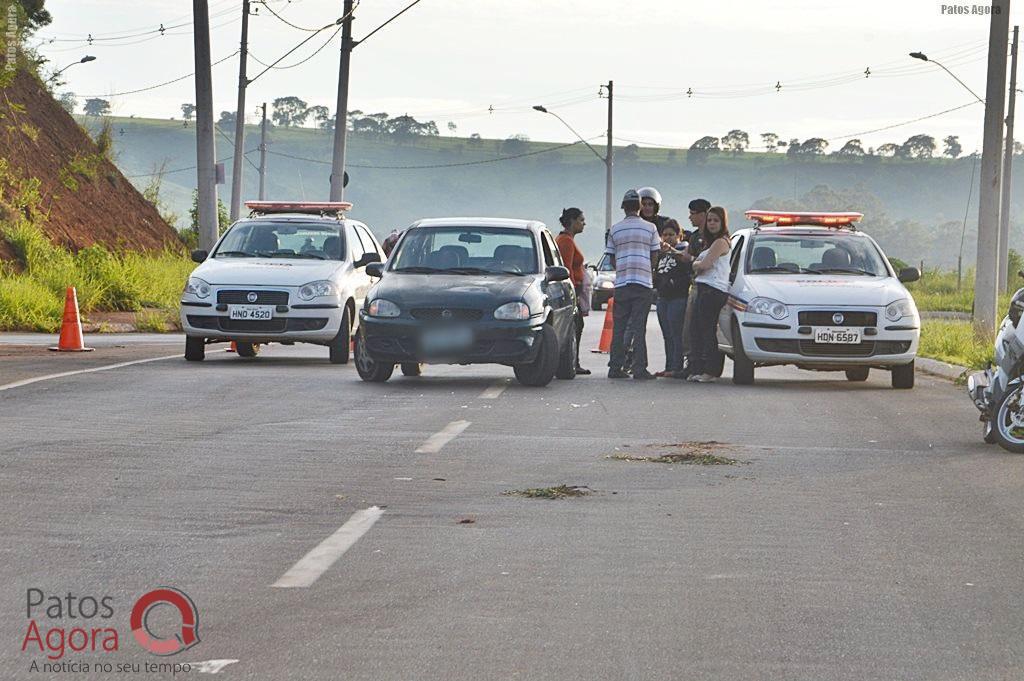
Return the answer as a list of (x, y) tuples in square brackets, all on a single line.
[(561, 294), (360, 280), (736, 257)]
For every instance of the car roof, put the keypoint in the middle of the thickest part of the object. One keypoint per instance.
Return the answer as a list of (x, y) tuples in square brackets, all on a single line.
[(507, 223)]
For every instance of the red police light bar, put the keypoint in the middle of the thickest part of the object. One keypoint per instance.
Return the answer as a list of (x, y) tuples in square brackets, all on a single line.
[(777, 217), (305, 207)]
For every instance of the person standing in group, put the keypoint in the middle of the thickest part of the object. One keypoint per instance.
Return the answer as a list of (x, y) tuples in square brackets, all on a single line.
[(573, 222), (650, 207), (698, 216), (712, 278), (388, 244), (672, 280), (633, 247)]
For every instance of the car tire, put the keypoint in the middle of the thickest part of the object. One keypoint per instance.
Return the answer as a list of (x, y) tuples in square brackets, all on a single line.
[(369, 370), (742, 367), (247, 349), (541, 370), (858, 374), (412, 369), (903, 377), (567, 360), (1000, 429), (195, 349), (341, 344)]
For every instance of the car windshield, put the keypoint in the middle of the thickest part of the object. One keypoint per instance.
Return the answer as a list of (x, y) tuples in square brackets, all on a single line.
[(830, 253), (466, 250), (270, 239), (605, 264)]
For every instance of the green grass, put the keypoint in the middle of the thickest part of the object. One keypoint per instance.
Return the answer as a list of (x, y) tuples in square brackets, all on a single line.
[(954, 342), (937, 291)]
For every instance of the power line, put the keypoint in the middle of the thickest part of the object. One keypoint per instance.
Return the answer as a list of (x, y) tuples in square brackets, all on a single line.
[(339, 22), (298, 63), (181, 170), (897, 125), (285, 21), (164, 84), (409, 7)]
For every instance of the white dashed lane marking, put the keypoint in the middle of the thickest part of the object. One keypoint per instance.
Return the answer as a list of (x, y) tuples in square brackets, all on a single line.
[(317, 561), (438, 440), (495, 390)]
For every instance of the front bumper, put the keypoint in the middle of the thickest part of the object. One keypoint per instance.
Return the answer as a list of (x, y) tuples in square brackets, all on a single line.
[(398, 340), (601, 297), (294, 320)]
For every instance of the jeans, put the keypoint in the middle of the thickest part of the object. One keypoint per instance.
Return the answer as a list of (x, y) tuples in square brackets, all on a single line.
[(691, 308), (579, 327), (629, 330), (671, 313), (705, 328)]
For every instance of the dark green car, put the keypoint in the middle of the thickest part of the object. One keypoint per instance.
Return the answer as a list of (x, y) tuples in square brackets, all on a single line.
[(470, 291)]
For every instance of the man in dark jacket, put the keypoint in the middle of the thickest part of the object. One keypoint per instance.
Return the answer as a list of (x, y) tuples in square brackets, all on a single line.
[(672, 280)]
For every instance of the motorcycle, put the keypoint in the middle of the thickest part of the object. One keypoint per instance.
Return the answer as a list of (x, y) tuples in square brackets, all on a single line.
[(998, 392)]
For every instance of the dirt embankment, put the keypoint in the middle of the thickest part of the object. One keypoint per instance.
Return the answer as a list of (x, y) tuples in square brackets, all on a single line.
[(85, 197)]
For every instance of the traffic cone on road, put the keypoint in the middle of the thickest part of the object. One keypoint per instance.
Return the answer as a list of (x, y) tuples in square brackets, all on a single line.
[(233, 347), (71, 328), (605, 344)]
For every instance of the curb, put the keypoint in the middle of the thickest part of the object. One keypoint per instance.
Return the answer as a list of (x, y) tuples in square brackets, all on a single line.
[(934, 367)]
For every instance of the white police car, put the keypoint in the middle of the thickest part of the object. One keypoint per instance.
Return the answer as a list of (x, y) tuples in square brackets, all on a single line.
[(810, 289), (289, 273)]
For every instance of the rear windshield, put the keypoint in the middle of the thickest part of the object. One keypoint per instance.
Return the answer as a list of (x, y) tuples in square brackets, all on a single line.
[(269, 239), (466, 250), (831, 253)]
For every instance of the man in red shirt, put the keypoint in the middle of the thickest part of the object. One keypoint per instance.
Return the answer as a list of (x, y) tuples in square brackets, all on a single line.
[(573, 223)]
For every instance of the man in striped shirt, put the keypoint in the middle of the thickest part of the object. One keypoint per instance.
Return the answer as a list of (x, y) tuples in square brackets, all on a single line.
[(633, 245)]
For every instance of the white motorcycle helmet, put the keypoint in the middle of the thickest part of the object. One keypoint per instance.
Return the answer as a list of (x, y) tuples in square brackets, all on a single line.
[(651, 193)]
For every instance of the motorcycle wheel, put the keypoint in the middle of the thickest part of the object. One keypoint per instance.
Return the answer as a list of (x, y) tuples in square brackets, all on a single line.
[(988, 433), (1008, 424)]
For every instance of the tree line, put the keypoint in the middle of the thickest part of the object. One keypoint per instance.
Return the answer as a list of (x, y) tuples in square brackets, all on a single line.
[(915, 147)]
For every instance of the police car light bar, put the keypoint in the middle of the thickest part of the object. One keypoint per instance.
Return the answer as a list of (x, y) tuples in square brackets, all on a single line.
[(304, 207), (776, 217)]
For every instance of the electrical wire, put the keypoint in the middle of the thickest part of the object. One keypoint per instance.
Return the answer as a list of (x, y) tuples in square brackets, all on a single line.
[(409, 7), (285, 21), (164, 84), (339, 22), (181, 170), (897, 125), (231, 141), (298, 63)]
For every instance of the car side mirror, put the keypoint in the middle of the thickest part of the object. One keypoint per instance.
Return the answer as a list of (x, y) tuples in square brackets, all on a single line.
[(556, 273), (591, 266), (375, 269), (199, 255), (909, 274), (366, 259)]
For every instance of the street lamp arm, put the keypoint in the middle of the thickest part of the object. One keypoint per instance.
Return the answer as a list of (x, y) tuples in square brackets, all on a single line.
[(923, 57), (596, 152)]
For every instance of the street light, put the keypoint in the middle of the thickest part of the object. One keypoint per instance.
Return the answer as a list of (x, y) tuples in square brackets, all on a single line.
[(84, 60), (923, 57)]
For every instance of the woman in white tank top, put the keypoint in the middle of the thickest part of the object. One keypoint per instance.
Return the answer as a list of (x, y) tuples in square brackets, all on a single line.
[(712, 278)]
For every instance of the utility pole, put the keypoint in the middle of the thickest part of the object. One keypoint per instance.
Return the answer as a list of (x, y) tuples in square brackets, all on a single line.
[(243, 83), (985, 286), (263, 155), (1004, 208), (206, 151), (341, 117), (609, 161)]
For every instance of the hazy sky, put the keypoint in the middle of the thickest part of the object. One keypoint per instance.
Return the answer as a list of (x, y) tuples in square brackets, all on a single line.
[(450, 60)]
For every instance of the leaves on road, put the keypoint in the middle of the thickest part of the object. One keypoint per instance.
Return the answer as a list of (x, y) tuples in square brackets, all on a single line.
[(694, 453), (560, 492)]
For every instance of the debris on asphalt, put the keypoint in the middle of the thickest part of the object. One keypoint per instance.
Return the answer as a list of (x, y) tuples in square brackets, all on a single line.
[(560, 492), (467, 521), (441, 479), (696, 453)]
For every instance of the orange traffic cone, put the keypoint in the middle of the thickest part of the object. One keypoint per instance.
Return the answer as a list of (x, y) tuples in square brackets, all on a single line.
[(71, 328), (605, 344), (233, 347)]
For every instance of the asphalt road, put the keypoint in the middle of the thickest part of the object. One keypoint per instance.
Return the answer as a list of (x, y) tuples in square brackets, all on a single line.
[(865, 533)]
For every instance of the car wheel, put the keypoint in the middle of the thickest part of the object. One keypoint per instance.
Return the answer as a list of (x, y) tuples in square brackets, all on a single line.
[(342, 343), (903, 377), (1008, 424), (742, 367), (858, 374), (247, 349), (567, 361), (541, 370), (195, 349), (412, 369), (368, 369)]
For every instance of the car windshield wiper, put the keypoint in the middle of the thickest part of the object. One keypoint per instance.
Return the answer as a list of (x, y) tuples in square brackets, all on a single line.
[(468, 270), (513, 272), (417, 270), (849, 270), (236, 254), (314, 256), (776, 268)]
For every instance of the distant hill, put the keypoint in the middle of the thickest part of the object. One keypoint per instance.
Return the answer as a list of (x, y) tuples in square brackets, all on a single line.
[(914, 207)]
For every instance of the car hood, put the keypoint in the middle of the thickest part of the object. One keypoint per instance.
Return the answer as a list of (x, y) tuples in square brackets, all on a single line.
[(832, 290), (265, 271), (450, 290)]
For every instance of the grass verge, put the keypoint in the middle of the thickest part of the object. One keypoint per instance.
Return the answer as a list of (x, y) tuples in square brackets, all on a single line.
[(954, 342)]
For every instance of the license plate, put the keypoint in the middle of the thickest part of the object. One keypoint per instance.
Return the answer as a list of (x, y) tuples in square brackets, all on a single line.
[(441, 341), (251, 312), (836, 335)]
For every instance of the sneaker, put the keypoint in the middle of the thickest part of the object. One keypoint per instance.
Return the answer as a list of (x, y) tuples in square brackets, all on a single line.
[(693, 379), (705, 378), (662, 374), (580, 371), (617, 373), (643, 376)]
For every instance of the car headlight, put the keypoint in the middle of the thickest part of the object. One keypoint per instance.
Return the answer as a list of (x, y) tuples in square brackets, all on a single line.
[(767, 306), (898, 310), (197, 287), (513, 312), (317, 289), (383, 308), (606, 283)]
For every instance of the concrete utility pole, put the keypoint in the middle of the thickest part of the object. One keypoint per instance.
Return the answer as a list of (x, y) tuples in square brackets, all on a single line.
[(341, 117), (609, 161), (263, 155), (243, 83), (986, 270), (1004, 208), (206, 150)]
